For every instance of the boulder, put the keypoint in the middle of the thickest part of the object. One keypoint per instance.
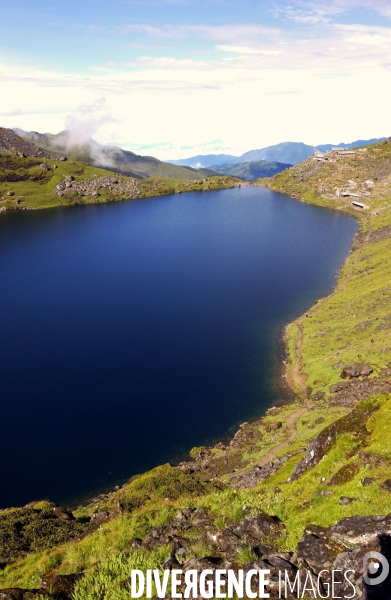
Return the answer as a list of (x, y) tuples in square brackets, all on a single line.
[(60, 586), (356, 370), (386, 485), (225, 541), (259, 528), (344, 500)]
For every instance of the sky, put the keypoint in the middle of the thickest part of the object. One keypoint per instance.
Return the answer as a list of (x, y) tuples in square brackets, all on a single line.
[(176, 78)]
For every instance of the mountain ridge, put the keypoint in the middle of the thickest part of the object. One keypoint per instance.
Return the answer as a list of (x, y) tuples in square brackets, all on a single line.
[(80, 147), (285, 152)]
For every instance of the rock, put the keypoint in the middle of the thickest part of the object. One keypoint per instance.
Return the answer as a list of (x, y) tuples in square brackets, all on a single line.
[(262, 550), (345, 474), (253, 530), (318, 396), (358, 531), (135, 543), (171, 563), (313, 552), (319, 446), (337, 365), (344, 500), (201, 564), (181, 553), (367, 481), (60, 586), (356, 370), (45, 167), (20, 594), (357, 390), (338, 387), (99, 517), (224, 541), (386, 485), (63, 513)]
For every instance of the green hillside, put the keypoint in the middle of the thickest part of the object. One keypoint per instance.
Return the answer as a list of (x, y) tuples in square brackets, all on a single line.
[(250, 171), (30, 183), (110, 157)]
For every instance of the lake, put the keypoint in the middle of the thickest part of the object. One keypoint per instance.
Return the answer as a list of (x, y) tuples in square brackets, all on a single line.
[(133, 331)]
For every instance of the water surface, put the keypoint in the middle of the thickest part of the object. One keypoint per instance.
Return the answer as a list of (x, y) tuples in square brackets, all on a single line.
[(131, 332)]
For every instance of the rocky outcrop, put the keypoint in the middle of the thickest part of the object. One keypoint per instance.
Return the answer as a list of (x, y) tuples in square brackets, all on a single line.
[(356, 370), (318, 447), (11, 142), (93, 187), (349, 393)]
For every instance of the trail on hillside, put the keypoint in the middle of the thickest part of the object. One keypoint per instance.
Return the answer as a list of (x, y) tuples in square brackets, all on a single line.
[(297, 375), (291, 424)]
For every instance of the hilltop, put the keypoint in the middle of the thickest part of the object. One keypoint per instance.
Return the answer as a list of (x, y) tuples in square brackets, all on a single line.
[(304, 487), (250, 171), (290, 153), (113, 158)]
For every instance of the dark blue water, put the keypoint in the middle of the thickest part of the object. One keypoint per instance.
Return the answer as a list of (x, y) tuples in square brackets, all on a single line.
[(131, 332)]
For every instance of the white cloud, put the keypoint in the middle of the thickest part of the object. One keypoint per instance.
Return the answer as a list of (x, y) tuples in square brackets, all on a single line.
[(248, 50), (262, 87)]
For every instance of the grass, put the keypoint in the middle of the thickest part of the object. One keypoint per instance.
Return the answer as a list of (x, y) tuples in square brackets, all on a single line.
[(31, 188)]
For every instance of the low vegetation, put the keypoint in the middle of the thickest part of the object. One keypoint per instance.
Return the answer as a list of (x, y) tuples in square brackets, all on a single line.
[(30, 183)]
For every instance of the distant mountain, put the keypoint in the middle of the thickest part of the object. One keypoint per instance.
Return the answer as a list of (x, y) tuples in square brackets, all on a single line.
[(206, 160), (85, 149), (250, 171), (356, 144), (287, 152)]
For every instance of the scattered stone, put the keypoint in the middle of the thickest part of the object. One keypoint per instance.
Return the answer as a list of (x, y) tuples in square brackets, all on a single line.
[(318, 396), (344, 500)]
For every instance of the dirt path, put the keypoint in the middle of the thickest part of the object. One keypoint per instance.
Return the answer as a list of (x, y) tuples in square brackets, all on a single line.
[(291, 424), (297, 375)]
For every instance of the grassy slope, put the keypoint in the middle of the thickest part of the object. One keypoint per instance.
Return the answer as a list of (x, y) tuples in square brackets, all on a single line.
[(330, 335), (33, 188), (121, 161), (250, 171)]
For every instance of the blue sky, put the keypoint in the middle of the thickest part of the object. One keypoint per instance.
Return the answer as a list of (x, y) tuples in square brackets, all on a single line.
[(178, 77)]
